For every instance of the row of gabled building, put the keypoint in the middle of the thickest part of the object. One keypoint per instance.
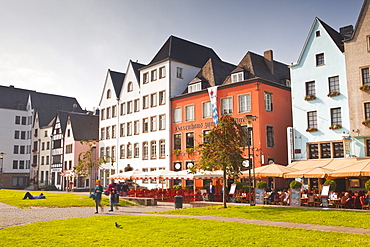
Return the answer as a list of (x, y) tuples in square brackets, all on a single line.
[(153, 115)]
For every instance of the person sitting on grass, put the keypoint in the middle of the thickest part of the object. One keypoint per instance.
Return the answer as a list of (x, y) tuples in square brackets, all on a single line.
[(29, 196)]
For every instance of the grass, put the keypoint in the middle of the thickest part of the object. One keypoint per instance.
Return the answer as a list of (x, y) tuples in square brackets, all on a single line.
[(162, 231), (53, 200), (356, 219)]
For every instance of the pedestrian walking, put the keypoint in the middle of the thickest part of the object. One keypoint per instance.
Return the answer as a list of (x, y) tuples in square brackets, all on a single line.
[(113, 195), (98, 189)]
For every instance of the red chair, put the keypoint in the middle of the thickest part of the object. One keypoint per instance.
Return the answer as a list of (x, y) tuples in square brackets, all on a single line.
[(363, 204)]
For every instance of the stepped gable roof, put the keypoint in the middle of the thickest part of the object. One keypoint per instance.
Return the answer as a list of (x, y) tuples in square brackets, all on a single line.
[(117, 80), (137, 67), (84, 126), (335, 36), (184, 51), (256, 66)]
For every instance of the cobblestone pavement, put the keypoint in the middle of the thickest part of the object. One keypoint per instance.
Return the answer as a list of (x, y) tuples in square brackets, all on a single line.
[(14, 216)]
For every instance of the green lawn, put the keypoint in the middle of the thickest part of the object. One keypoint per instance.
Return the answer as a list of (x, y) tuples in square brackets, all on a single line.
[(162, 231), (53, 200), (357, 219)]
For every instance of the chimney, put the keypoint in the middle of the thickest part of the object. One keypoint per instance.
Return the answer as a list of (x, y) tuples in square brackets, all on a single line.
[(346, 31), (269, 60)]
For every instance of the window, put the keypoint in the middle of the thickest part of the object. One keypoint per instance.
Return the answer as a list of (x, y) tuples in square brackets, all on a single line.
[(153, 123), (46, 133), (336, 117), (108, 132), (102, 117), (334, 84), (195, 87), (179, 72), (68, 133), (136, 150), (318, 33), (122, 151), (21, 164), (136, 128), (109, 94), (368, 43), (101, 151), (189, 113), (146, 78), (270, 142), (22, 149), (122, 130), (17, 120), (226, 106), (162, 122), (268, 101), (129, 151), (313, 151), (236, 77), (365, 76), (145, 125), (320, 59), (108, 113), (123, 109), (130, 87), (15, 164), (310, 88), (113, 131), (69, 149), (205, 133), (102, 133), (145, 102), (153, 149), (162, 72), (190, 140), (145, 150), (16, 149), (162, 98), (43, 146), (16, 134), (23, 135), (325, 151), (129, 129), (153, 75), (244, 103), (136, 105), (24, 120), (177, 113), (129, 107), (153, 100), (312, 119), (114, 111), (177, 141), (162, 149), (207, 109), (47, 145), (113, 153)]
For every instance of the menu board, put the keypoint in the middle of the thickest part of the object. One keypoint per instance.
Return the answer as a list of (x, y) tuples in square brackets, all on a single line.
[(295, 197), (260, 193), (232, 189)]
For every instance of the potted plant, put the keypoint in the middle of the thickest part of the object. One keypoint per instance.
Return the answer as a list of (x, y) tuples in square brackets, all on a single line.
[(367, 185), (365, 87), (311, 129), (332, 183), (189, 151), (309, 97), (366, 122), (334, 93), (261, 185), (295, 184), (335, 126), (176, 152)]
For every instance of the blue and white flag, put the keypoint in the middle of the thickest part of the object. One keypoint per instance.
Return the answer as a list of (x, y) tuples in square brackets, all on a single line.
[(212, 91)]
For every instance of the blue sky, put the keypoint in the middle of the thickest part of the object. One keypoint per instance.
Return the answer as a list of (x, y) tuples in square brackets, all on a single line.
[(66, 46)]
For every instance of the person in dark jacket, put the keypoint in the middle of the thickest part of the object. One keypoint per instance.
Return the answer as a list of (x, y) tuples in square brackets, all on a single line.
[(98, 189)]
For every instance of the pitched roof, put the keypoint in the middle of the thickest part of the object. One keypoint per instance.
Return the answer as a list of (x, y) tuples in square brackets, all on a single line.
[(335, 36), (117, 80), (184, 51), (84, 126), (45, 104), (136, 67), (361, 16)]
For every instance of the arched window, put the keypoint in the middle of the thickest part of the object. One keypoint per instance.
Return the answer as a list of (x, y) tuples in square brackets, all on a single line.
[(130, 87), (109, 94)]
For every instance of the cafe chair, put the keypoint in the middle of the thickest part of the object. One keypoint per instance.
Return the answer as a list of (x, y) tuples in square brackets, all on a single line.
[(310, 201), (363, 204), (342, 202)]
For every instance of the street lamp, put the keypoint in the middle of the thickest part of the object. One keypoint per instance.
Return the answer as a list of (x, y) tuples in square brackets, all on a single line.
[(250, 118), (1, 168)]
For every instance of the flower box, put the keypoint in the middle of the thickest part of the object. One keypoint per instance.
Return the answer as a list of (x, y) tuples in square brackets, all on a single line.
[(311, 129), (365, 87), (332, 94), (366, 122), (335, 126), (309, 97)]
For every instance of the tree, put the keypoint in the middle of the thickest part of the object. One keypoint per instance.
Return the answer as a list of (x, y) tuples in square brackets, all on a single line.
[(88, 161), (223, 150)]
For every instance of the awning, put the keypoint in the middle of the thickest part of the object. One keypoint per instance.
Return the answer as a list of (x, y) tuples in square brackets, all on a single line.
[(312, 172), (359, 169), (304, 164), (272, 170)]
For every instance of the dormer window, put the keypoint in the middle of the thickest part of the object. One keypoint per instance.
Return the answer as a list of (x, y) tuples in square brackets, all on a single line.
[(195, 87), (109, 94), (237, 77)]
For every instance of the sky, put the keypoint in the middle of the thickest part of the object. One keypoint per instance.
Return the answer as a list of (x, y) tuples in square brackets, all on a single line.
[(66, 47)]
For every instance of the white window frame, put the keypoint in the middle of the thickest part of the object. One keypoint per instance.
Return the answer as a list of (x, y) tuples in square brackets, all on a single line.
[(268, 101), (189, 113), (177, 115), (244, 103), (227, 106), (162, 122), (207, 109)]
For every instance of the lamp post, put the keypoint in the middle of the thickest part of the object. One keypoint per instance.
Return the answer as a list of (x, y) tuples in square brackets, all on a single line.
[(1, 168), (250, 118)]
